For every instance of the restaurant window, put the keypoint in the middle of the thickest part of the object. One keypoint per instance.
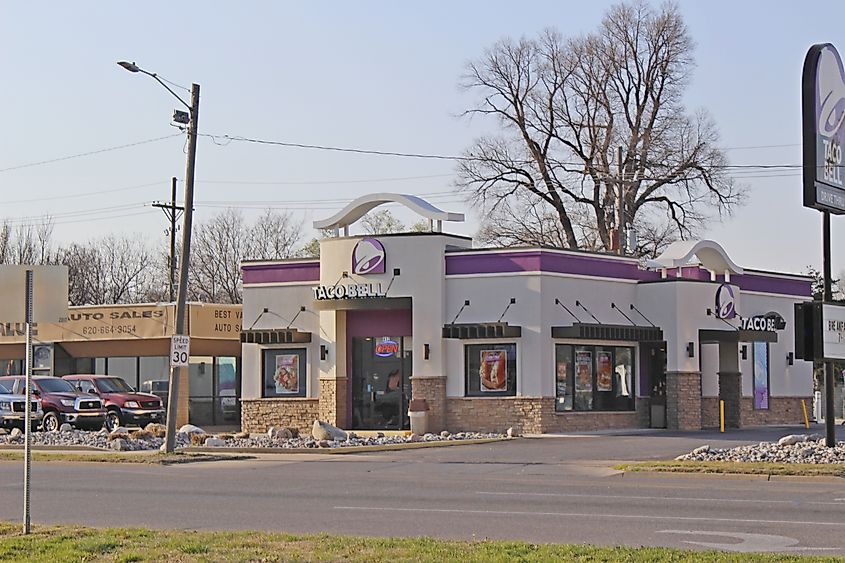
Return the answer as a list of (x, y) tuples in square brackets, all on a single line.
[(490, 370), (761, 375), (594, 378), (125, 368), (284, 372)]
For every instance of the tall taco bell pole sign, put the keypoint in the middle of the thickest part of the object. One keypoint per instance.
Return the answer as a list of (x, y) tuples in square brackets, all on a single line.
[(823, 131)]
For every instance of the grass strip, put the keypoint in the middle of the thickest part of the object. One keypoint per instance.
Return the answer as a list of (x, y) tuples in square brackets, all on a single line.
[(71, 543), (155, 458), (736, 467)]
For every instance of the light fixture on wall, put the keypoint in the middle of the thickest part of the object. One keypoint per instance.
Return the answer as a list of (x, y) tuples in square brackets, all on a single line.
[(426, 351), (790, 359), (691, 349), (743, 352), (324, 352)]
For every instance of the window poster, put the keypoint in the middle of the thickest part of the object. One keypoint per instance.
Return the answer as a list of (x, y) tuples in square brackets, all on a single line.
[(761, 375), (562, 378), (493, 370), (583, 371), (604, 371), (286, 375)]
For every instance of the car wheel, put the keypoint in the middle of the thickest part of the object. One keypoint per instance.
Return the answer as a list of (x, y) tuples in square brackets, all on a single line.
[(51, 422), (113, 420)]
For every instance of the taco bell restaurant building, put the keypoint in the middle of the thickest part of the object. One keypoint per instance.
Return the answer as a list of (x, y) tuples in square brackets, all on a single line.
[(541, 340)]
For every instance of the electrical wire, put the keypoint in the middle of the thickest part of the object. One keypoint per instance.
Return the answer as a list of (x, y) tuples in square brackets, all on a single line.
[(84, 154), (319, 182), (85, 194)]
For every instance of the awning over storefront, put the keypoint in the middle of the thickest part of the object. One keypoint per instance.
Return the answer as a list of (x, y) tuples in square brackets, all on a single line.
[(275, 336), (589, 331), (715, 336), (470, 331), (363, 304)]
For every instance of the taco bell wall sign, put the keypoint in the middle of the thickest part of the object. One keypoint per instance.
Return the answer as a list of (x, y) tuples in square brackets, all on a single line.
[(823, 128), (368, 257), (725, 302)]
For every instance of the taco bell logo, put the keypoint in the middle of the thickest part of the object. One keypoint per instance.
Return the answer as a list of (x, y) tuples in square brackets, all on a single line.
[(368, 257), (725, 302)]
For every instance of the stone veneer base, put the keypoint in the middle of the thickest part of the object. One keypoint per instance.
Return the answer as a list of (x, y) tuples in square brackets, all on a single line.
[(257, 415), (782, 410)]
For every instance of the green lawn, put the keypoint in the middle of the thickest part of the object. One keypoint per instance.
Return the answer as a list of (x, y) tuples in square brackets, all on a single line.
[(69, 543), (760, 468)]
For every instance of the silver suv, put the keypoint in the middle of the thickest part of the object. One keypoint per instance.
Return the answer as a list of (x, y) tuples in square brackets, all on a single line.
[(13, 407)]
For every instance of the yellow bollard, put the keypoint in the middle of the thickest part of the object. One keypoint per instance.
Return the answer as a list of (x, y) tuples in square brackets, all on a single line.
[(722, 416), (806, 419)]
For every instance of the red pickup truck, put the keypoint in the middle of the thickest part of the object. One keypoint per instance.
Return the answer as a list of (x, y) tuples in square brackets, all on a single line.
[(124, 405), (60, 402)]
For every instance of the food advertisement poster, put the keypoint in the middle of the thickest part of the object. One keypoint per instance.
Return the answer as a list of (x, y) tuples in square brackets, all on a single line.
[(583, 371), (493, 370), (604, 372), (761, 375), (562, 378), (286, 376)]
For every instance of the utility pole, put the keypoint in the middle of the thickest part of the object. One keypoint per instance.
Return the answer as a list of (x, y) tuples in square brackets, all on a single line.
[(181, 298), (173, 213)]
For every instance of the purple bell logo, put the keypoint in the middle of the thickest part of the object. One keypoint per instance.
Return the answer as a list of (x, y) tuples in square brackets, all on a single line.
[(368, 257), (725, 302)]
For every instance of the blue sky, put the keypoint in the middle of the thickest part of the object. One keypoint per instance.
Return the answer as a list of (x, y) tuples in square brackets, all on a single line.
[(380, 75)]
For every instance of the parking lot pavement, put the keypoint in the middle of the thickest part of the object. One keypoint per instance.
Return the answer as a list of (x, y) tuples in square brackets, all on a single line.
[(542, 490)]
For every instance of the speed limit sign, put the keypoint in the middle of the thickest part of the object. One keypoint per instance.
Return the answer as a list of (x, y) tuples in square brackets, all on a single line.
[(180, 350)]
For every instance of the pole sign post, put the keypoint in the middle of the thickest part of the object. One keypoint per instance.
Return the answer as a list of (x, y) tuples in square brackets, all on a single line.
[(180, 350), (823, 127)]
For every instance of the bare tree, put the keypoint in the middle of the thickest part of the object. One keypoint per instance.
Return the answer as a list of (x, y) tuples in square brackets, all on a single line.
[(108, 270), (567, 106), (381, 223), (5, 243), (224, 241)]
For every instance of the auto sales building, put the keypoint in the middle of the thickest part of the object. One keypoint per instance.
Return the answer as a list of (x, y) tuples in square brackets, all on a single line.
[(539, 339), (133, 342)]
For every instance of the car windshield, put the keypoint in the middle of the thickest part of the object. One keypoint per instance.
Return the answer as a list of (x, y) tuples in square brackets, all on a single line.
[(55, 385), (4, 389), (112, 385)]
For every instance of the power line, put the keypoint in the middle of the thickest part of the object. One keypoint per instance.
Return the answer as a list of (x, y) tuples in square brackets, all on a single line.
[(89, 153), (84, 194), (318, 182)]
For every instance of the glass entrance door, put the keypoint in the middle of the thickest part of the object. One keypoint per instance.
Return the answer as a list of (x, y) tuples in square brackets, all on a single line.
[(380, 383)]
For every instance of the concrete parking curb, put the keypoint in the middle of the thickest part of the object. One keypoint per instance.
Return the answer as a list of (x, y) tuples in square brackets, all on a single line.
[(68, 448), (346, 450), (734, 476)]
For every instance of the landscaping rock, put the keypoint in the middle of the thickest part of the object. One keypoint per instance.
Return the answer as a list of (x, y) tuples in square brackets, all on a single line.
[(791, 439), (323, 443), (119, 444), (241, 435), (214, 443), (65, 428), (325, 431), (701, 450), (294, 432), (121, 430), (191, 429), (445, 434), (414, 438), (511, 432), (795, 448), (15, 432)]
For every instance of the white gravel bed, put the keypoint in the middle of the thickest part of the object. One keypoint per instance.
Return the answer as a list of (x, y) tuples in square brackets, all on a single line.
[(100, 439), (795, 448)]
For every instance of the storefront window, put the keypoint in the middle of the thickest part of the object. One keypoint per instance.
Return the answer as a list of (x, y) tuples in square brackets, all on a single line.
[(284, 372), (226, 402), (490, 370), (594, 378), (761, 375), (125, 368)]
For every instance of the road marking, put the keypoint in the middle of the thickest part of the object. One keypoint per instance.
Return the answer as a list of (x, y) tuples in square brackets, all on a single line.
[(590, 515), (686, 499), (748, 543)]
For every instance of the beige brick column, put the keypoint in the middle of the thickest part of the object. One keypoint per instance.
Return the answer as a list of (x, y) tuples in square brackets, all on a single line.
[(683, 400), (432, 388), (333, 401)]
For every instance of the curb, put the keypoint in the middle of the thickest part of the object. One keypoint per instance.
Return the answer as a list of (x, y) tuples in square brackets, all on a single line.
[(345, 450), (736, 476), (68, 448)]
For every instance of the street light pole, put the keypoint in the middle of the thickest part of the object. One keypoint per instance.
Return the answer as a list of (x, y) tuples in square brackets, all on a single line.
[(185, 259)]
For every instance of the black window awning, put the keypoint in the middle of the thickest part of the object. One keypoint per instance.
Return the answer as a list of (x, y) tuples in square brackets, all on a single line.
[(731, 336), (588, 331), (469, 331), (275, 336)]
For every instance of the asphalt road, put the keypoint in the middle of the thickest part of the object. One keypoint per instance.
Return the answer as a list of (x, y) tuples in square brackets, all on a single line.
[(558, 490)]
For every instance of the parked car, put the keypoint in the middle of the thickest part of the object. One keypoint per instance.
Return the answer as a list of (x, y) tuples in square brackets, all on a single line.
[(124, 405), (60, 402), (13, 410), (158, 387)]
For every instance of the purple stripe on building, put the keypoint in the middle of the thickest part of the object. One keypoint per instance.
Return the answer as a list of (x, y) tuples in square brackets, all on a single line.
[(768, 284), (541, 261), (281, 272)]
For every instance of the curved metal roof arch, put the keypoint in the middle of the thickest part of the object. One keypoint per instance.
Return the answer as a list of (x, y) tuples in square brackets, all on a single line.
[(359, 207), (710, 255)]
